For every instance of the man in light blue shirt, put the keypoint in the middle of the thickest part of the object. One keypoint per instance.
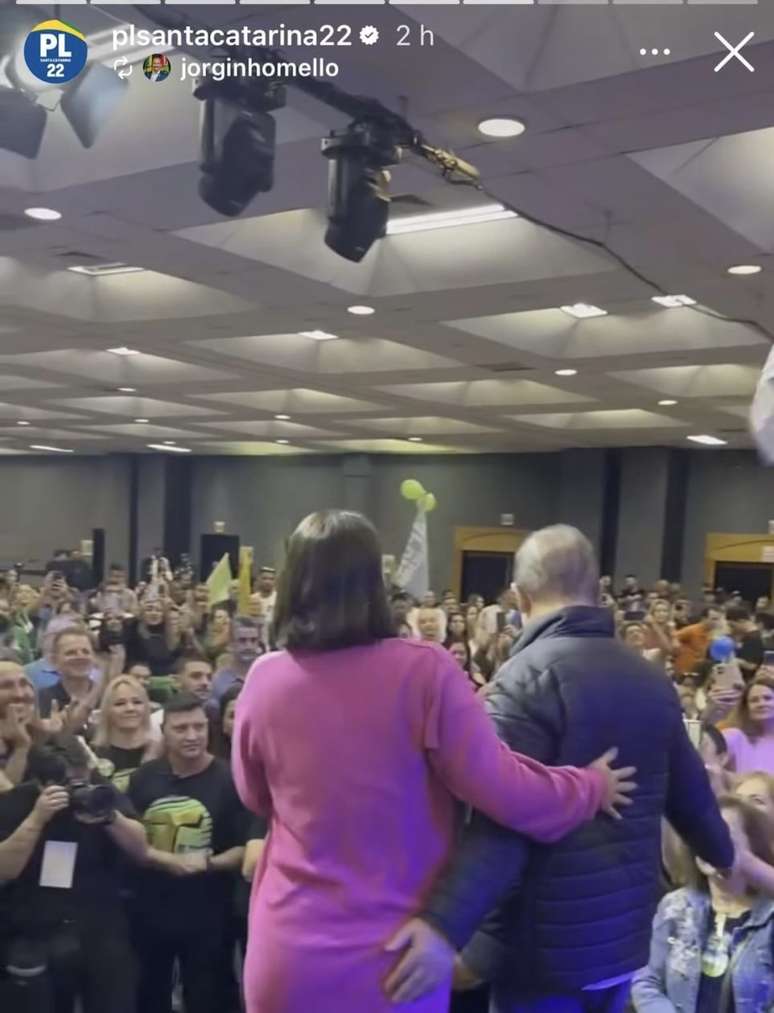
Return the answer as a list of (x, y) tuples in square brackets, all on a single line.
[(43, 673)]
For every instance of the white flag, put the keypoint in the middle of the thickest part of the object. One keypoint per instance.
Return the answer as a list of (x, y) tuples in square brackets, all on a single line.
[(413, 574)]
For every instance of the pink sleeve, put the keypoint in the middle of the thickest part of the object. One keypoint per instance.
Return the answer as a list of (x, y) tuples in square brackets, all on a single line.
[(246, 761), (545, 803)]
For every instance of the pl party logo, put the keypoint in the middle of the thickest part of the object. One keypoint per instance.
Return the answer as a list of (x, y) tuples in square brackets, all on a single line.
[(55, 52)]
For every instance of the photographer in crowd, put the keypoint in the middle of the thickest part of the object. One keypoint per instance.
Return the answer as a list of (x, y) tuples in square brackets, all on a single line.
[(62, 833)]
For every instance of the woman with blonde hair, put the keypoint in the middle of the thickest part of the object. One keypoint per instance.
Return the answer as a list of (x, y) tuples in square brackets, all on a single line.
[(123, 740), (757, 788), (750, 731), (712, 941)]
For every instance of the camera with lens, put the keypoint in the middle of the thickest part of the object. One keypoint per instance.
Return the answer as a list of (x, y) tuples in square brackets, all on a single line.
[(61, 760), (96, 801)]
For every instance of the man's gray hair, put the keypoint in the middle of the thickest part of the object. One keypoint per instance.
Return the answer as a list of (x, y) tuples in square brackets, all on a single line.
[(558, 564)]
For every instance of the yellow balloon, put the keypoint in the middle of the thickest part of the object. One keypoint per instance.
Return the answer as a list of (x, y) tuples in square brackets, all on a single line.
[(429, 502), (411, 489)]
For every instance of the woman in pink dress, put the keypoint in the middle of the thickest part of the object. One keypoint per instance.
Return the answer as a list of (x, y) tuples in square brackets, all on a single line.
[(358, 746)]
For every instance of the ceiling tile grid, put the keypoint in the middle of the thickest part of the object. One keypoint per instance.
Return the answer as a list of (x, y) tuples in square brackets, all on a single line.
[(215, 344)]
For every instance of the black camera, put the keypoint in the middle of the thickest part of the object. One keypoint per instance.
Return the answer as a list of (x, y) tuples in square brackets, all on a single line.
[(94, 800), (62, 760)]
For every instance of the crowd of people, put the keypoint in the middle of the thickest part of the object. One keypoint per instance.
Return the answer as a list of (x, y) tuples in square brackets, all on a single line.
[(131, 691), (136, 790)]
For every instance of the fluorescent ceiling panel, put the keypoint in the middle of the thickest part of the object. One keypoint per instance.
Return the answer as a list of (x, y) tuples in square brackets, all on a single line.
[(629, 418), (727, 380)]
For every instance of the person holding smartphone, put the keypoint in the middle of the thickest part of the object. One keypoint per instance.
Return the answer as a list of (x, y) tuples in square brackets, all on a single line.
[(496, 618)]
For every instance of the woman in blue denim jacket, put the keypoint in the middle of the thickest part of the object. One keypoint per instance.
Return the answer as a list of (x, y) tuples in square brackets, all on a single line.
[(712, 949)]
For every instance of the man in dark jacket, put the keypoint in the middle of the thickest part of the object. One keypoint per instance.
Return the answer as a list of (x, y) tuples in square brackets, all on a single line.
[(569, 923)]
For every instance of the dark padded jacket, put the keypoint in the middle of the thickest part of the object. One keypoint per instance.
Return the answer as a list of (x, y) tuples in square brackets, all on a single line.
[(578, 912)]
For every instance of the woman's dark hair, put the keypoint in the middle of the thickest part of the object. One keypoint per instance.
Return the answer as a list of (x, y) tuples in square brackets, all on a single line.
[(468, 666), (106, 637), (221, 744), (229, 697), (331, 592), (450, 638)]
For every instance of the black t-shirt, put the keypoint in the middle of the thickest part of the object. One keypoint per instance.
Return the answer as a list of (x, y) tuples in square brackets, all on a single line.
[(716, 965), (96, 878), (198, 813), (118, 765), (750, 649)]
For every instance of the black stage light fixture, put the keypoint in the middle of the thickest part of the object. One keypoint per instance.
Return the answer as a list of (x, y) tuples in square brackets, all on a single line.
[(89, 102), (237, 142), (358, 187), (22, 122)]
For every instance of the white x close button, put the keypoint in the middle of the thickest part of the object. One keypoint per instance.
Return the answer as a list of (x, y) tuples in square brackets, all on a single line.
[(734, 52)]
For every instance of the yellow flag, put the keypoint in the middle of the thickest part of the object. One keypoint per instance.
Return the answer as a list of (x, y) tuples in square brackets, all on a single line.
[(245, 578), (219, 582)]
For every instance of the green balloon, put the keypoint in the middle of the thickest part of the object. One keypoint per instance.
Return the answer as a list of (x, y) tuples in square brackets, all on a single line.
[(411, 489), (429, 502)]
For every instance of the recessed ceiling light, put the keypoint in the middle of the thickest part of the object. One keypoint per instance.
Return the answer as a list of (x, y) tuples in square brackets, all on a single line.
[(318, 335), (100, 270), (667, 403), (123, 350), (448, 219), (566, 372), (127, 390), (21, 422), (166, 446), (672, 302), (53, 450), (142, 420), (169, 443), (282, 441), (415, 439), (583, 311), (43, 214), (361, 311), (282, 418), (502, 126), (745, 269), (707, 441)]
